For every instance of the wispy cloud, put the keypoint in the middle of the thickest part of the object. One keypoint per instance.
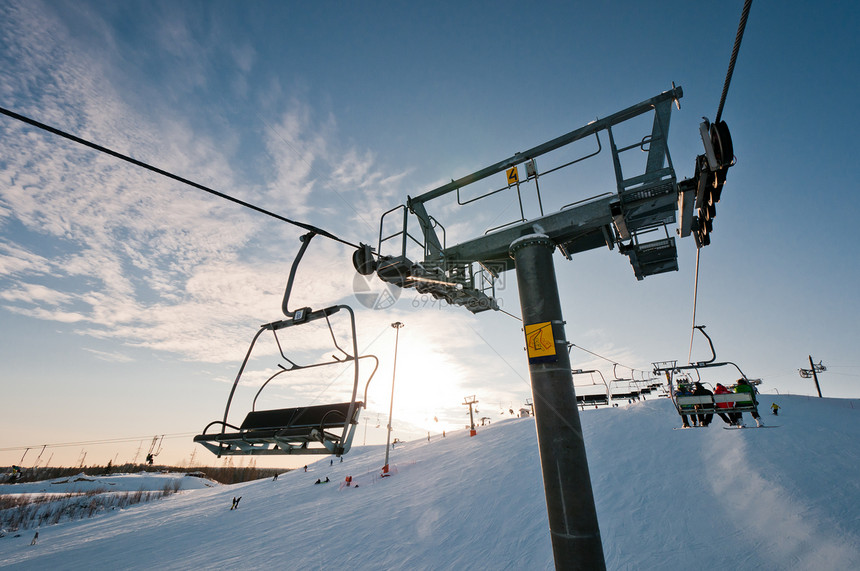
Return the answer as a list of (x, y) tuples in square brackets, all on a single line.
[(133, 257)]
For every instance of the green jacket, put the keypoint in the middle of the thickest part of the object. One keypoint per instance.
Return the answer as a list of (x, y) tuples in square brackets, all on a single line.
[(741, 388)]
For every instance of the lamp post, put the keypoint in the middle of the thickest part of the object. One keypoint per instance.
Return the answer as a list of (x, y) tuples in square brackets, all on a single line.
[(396, 325)]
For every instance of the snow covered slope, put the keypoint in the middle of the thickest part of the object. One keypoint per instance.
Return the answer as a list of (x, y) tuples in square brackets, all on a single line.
[(667, 499), (146, 481)]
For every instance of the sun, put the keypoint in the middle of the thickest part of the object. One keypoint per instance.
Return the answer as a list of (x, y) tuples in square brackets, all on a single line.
[(426, 384)]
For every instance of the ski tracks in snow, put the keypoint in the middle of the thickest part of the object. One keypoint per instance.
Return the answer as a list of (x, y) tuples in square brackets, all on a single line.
[(781, 530)]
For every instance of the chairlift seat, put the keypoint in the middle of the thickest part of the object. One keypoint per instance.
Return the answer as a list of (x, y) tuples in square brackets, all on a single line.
[(707, 404), (287, 431), (592, 399)]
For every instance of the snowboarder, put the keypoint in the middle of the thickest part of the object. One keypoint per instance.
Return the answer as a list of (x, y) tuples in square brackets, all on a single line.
[(35, 539), (775, 408), (275, 478), (743, 386)]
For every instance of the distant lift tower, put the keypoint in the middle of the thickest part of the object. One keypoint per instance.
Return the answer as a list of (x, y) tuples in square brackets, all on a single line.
[(644, 202), (813, 371), (471, 402)]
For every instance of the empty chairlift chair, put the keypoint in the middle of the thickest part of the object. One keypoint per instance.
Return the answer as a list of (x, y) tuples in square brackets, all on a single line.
[(315, 429)]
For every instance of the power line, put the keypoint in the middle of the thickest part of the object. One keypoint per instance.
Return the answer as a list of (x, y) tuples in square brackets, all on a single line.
[(170, 175)]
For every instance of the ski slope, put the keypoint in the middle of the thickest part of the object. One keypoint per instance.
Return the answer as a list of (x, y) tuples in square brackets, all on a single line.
[(785, 498)]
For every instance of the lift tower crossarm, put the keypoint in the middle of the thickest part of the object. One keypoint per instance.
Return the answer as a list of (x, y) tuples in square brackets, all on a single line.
[(593, 127)]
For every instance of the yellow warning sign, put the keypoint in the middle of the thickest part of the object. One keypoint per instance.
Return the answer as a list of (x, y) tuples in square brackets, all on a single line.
[(540, 342), (513, 175)]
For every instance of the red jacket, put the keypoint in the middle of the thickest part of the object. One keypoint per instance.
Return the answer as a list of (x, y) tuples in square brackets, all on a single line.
[(721, 390)]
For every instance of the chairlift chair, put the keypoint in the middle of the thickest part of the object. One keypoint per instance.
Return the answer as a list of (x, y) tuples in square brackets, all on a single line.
[(584, 394), (705, 404), (314, 429)]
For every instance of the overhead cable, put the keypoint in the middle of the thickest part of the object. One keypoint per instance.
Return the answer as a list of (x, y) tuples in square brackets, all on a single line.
[(96, 442), (607, 359), (167, 174), (738, 37)]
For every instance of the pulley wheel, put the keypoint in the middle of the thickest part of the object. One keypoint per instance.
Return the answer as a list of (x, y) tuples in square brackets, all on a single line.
[(721, 140)]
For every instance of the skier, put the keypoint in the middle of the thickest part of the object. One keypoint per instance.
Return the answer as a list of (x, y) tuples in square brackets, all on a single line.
[(35, 539), (775, 408)]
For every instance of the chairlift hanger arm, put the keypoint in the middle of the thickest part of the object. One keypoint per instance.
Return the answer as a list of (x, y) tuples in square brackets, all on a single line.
[(701, 365), (306, 240), (701, 329)]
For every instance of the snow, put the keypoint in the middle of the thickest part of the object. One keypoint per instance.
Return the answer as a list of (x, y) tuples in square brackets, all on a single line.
[(784, 498), (82, 483)]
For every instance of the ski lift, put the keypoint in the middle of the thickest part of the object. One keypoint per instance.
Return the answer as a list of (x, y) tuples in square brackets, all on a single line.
[(628, 390), (150, 456), (586, 396), (704, 404), (314, 429)]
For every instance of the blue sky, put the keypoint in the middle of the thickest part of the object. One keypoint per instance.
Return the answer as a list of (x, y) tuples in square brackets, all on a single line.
[(127, 300)]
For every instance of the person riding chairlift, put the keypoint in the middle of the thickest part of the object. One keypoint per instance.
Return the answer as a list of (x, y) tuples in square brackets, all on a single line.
[(744, 386), (682, 391), (727, 416), (699, 390)]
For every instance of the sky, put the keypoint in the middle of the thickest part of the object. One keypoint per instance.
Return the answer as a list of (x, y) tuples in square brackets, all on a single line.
[(128, 300), (727, 499)]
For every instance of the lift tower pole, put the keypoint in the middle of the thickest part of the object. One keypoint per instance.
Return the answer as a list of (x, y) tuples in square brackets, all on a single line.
[(569, 498), (646, 202)]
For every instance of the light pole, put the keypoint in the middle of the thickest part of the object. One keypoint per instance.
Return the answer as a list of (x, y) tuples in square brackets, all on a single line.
[(396, 325)]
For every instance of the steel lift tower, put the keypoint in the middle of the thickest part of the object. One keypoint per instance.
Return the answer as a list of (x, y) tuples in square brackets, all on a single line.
[(634, 217)]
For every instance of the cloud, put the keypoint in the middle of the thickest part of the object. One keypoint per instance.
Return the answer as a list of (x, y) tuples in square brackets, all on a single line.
[(143, 262), (110, 356)]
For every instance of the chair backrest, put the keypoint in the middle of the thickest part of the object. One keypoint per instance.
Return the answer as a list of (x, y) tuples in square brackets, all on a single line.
[(320, 416)]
